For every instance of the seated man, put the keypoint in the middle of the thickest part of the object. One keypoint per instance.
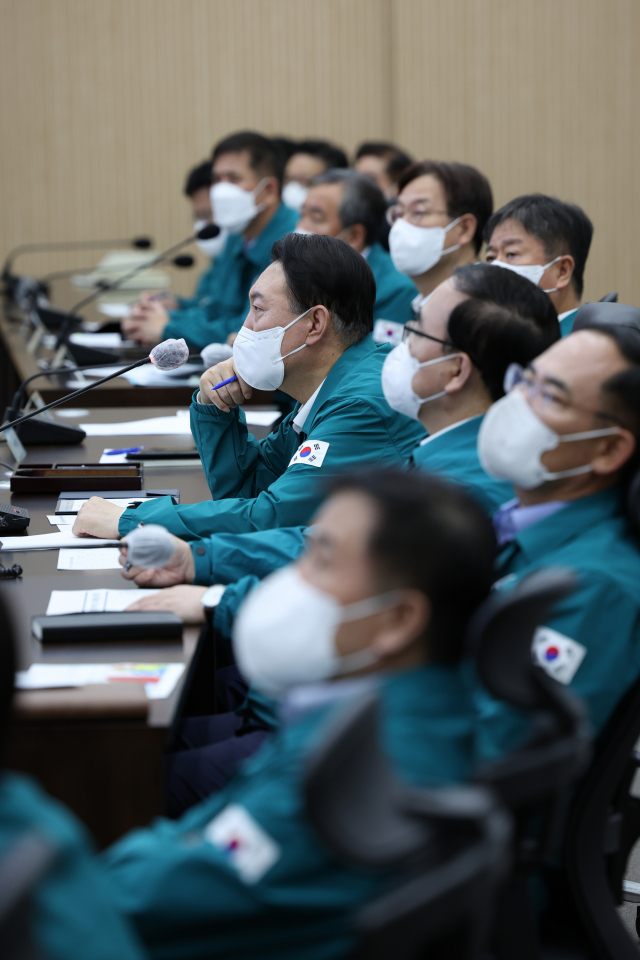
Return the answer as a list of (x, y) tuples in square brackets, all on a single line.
[(438, 221), (309, 159), (384, 163), (307, 331), (548, 242), (72, 914), (243, 873), (347, 205), (245, 198), (452, 364), (566, 437)]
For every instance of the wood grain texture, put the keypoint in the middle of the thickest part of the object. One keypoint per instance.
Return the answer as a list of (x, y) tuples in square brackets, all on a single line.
[(107, 104)]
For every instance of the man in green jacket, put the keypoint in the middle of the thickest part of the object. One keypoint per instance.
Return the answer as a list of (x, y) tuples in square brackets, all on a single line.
[(307, 332), (350, 206), (546, 241), (243, 874), (245, 199), (566, 437)]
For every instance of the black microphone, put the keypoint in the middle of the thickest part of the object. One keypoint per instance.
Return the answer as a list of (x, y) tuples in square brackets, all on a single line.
[(207, 233), (168, 355), (141, 243)]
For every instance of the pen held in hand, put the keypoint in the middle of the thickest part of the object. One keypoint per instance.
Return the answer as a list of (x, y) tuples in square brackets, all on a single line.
[(224, 382)]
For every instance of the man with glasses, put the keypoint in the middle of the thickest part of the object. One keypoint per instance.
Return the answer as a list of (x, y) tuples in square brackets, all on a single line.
[(566, 436), (452, 362), (438, 221)]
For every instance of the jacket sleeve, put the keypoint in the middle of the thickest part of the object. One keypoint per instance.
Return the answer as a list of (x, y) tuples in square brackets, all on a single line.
[(228, 557)]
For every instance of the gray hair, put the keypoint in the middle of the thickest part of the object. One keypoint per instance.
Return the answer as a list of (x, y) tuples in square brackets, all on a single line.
[(362, 201)]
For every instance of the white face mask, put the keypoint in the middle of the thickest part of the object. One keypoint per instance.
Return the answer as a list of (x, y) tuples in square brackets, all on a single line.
[(530, 271), (303, 232), (398, 371), (210, 248), (512, 439), (415, 250), (233, 207), (284, 634), (257, 355), (294, 195)]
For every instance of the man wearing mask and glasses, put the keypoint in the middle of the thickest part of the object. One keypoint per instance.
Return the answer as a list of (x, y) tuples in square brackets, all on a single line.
[(566, 436), (243, 873), (245, 201), (437, 222), (451, 365), (546, 241)]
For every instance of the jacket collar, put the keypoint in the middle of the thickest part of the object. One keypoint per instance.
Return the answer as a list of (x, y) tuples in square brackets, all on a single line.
[(344, 364), (542, 538), (272, 231)]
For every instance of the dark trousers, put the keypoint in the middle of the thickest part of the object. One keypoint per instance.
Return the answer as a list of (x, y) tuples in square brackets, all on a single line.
[(208, 750)]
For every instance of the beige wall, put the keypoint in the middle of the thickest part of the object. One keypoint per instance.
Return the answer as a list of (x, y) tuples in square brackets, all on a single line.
[(106, 103)]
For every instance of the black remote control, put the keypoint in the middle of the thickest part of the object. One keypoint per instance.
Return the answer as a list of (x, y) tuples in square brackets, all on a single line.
[(13, 519)]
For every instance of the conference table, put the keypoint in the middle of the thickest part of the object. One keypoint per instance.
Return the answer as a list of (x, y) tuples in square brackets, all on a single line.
[(97, 748)]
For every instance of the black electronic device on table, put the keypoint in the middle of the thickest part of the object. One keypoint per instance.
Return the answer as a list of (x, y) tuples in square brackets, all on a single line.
[(14, 519), (159, 454)]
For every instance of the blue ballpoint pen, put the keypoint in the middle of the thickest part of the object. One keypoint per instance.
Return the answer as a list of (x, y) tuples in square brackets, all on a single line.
[(113, 453), (224, 382)]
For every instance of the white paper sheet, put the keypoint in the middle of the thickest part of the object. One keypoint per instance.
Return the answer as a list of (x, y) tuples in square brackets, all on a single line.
[(51, 541), (63, 602), (60, 519), (100, 340), (103, 558), (154, 426), (117, 311), (159, 679), (76, 504)]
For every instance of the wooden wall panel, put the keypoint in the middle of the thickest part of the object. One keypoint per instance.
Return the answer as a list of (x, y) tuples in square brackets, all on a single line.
[(540, 95), (106, 103)]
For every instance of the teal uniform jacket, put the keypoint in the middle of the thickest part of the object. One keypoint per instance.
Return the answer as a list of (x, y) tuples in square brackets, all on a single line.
[(589, 536), (254, 485), (231, 276), (74, 917), (243, 874), (566, 324), (203, 295), (453, 453), (394, 291)]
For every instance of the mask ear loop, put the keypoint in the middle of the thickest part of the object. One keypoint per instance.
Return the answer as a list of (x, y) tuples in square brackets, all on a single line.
[(298, 349), (428, 363), (552, 289), (585, 435), (450, 226)]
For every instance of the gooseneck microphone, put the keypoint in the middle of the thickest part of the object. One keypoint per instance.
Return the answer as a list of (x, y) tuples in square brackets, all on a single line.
[(207, 233), (168, 355), (140, 243)]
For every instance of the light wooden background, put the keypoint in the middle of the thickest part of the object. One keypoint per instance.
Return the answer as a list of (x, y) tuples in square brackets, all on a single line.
[(105, 104)]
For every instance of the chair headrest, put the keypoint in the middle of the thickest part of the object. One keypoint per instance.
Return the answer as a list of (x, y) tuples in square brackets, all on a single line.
[(501, 631), (603, 314)]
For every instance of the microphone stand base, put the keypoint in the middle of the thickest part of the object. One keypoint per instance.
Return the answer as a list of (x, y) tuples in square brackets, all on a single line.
[(39, 431)]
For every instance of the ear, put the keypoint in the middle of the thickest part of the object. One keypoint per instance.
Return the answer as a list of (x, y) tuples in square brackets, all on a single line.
[(356, 236), (564, 271), (466, 230), (616, 450), (319, 320), (462, 376), (402, 624)]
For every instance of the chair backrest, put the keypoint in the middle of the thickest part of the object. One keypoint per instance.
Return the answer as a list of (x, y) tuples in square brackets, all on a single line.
[(602, 828), (447, 850), (21, 868)]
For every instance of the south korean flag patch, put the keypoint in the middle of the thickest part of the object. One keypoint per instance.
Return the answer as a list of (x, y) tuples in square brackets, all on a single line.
[(312, 453), (559, 656)]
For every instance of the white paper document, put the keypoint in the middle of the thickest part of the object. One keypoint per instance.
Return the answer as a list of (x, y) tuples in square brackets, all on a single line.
[(60, 519), (94, 601), (103, 558), (159, 679), (154, 426), (76, 504), (105, 341), (51, 541)]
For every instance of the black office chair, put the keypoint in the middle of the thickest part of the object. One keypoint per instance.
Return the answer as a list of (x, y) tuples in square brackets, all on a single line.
[(21, 868), (534, 782), (448, 850), (603, 827), (609, 297)]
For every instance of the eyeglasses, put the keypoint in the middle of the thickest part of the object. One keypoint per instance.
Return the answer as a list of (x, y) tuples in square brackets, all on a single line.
[(409, 330), (415, 213), (547, 394)]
